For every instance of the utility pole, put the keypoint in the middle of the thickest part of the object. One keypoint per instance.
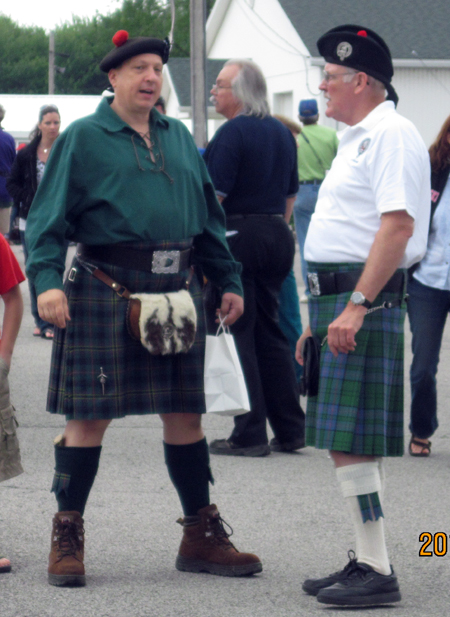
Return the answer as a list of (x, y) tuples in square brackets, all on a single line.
[(51, 63), (198, 72)]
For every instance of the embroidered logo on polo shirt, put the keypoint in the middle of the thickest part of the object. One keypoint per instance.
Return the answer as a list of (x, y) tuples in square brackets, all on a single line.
[(363, 146), (344, 50)]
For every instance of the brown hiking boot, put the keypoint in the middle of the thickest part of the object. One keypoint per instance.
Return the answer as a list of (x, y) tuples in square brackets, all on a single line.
[(206, 548), (65, 567)]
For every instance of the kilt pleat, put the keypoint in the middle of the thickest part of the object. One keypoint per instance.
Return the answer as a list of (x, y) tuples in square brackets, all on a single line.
[(359, 407), (96, 342)]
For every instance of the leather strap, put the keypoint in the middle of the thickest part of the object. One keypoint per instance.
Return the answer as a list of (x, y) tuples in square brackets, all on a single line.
[(254, 216), (117, 287), (121, 290), (331, 283), (125, 257)]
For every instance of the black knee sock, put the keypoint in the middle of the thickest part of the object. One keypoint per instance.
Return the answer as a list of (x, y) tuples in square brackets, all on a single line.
[(75, 471), (189, 470)]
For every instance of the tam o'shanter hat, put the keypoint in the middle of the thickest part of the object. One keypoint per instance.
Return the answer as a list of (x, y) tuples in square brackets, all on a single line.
[(126, 48), (361, 49)]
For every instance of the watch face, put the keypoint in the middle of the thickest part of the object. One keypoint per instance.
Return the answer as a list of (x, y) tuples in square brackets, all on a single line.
[(357, 297)]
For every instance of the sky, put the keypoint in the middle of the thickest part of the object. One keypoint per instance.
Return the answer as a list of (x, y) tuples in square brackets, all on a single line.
[(50, 13)]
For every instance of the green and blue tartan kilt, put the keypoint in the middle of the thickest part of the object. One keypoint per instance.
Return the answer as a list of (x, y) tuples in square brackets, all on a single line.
[(359, 407), (96, 341)]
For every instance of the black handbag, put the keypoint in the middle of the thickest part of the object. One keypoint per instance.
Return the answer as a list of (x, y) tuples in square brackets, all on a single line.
[(309, 382)]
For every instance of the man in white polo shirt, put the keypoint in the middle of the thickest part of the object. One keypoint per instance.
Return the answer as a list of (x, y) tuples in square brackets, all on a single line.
[(370, 223)]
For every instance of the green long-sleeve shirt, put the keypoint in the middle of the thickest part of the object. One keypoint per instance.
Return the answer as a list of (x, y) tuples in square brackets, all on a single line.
[(101, 187)]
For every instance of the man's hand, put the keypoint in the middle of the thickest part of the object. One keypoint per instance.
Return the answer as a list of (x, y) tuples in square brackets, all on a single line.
[(53, 307), (231, 308), (298, 347), (342, 331)]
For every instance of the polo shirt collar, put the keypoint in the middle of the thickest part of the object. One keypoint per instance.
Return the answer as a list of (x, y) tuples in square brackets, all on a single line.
[(108, 118), (376, 115), (371, 120)]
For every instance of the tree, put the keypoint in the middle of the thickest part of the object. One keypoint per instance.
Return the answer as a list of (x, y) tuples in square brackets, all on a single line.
[(23, 58), (24, 51), (87, 41)]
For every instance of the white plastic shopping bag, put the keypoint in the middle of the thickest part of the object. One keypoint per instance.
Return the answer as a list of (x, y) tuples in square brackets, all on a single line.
[(225, 389)]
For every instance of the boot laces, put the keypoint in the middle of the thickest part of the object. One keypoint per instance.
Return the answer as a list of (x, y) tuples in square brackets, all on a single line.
[(353, 568), (350, 567), (219, 533), (352, 564), (68, 535)]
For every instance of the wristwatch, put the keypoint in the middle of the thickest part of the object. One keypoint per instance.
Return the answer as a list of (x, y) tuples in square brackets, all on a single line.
[(359, 299)]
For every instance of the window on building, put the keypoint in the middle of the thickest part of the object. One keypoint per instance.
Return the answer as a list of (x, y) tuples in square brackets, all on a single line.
[(283, 103)]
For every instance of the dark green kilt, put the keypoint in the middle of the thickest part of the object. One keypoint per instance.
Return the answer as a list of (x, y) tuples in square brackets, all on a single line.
[(359, 407), (96, 341)]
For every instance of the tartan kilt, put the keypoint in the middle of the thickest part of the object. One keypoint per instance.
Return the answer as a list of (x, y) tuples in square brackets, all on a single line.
[(359, 407), (96, 341)]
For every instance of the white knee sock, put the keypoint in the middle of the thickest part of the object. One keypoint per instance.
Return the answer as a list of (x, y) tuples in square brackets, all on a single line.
[(382, 470), (364, 479)]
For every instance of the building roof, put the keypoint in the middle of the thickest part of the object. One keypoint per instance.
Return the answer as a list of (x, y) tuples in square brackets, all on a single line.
[(406, 25), (180, 71)]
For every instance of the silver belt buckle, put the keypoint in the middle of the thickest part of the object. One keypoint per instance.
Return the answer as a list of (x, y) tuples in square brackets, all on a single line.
[(72, 274), (166, 262), (313, 282)]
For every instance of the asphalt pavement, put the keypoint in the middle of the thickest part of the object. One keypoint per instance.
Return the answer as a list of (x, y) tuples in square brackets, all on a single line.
[(285, 507)]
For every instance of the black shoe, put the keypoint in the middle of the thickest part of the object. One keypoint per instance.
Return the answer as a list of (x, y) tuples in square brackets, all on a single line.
[(363, 586), (312, 586), (287, 446), (227, 447)]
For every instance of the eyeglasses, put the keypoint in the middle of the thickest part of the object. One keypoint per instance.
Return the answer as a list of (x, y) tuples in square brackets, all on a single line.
[(219, 87), (329, 77)]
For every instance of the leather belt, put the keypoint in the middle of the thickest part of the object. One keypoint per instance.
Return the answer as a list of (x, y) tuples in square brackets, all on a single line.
[(157, 262), (249, 216), (328, 283), (316, 182)]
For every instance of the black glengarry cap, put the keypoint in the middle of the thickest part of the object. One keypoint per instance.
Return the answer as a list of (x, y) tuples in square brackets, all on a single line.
[(361, 49)]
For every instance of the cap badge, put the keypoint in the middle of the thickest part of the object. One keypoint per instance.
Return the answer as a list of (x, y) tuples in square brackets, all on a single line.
[(344, 50), (363, 146)]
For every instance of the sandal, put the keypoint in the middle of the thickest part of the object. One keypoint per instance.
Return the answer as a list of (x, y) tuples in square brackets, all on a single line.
[(425, 447), (5, 565), (47, 333), (37, 332)]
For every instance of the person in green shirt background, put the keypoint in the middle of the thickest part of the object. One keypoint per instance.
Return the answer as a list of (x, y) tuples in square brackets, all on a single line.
[(129, 185), (317, 147)]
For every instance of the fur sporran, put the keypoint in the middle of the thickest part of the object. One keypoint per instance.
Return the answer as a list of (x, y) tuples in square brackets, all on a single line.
[(165, 323)]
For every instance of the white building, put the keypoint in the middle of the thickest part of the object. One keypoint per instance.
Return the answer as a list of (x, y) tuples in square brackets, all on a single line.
[(280, 36), (22, 110)]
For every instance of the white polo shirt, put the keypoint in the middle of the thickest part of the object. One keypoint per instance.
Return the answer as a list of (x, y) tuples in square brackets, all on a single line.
[(382, 165)]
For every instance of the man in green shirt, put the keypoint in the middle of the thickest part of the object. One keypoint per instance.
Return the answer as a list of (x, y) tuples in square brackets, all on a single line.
[(317, 147), (129, 185)]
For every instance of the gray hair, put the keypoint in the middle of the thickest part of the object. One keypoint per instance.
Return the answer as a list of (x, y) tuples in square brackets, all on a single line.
[(349, 76), (375, 83), (2, 113), (249, 86)]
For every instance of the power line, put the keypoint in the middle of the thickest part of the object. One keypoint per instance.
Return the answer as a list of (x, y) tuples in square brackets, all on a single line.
[(295, 52), (433, 74)]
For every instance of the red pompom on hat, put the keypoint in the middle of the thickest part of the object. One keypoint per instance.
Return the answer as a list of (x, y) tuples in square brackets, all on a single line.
[(360, 33), (120, 38), (126, 47)]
